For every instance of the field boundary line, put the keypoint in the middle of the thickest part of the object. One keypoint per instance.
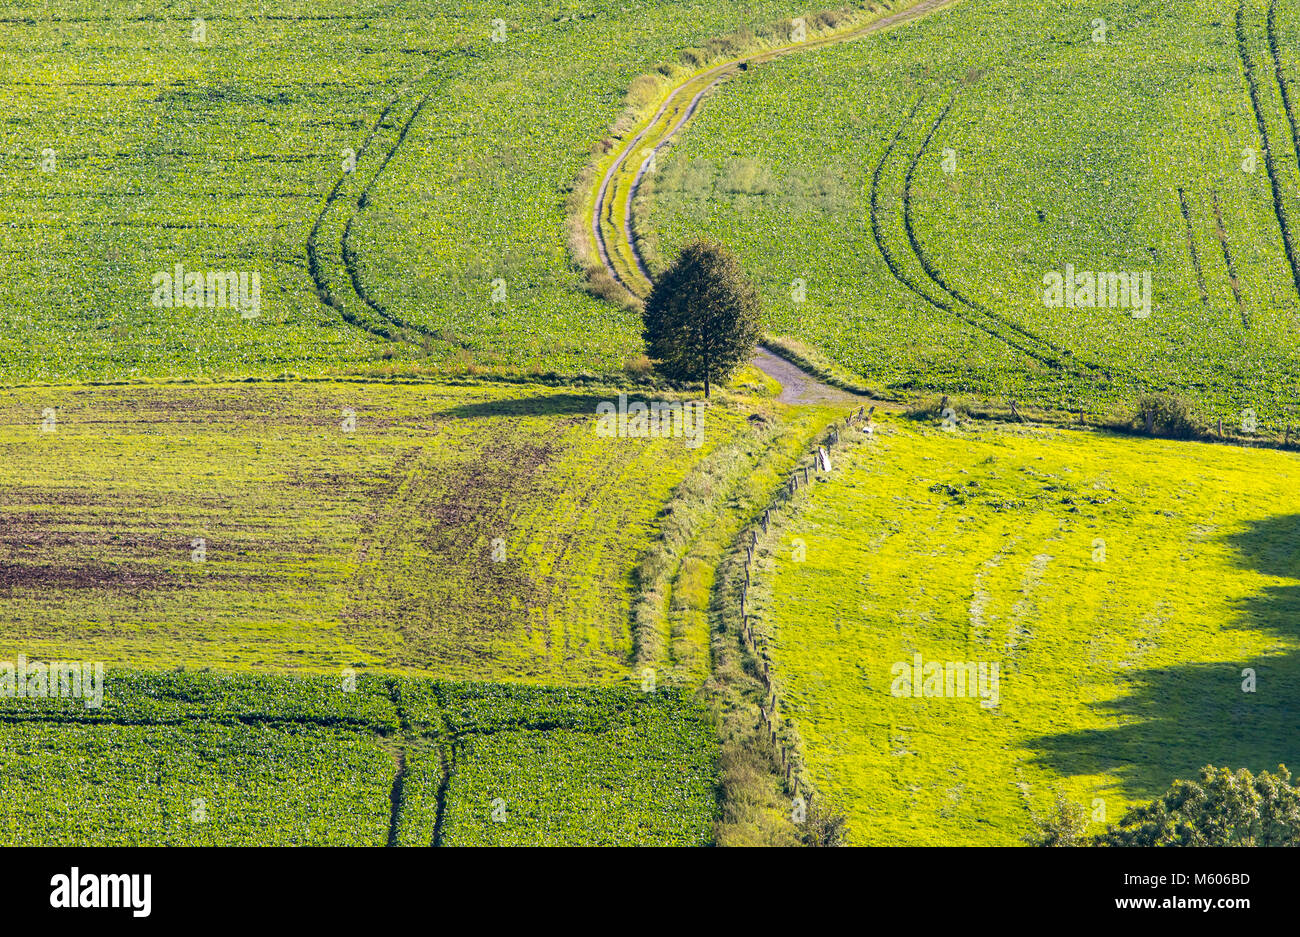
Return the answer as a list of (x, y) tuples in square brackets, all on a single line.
[(756, 537)]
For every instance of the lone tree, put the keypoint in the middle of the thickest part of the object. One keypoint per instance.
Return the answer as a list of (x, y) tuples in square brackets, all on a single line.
[(701, 320)]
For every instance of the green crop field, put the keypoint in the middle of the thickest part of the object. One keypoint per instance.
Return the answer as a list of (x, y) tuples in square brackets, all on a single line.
[(927, 179), (398, 175), (1122, 586), (313, 317), (193, 759)]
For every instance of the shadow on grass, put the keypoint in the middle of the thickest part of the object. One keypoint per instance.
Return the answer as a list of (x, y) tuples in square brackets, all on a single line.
[(562, 404), (1177, 719)]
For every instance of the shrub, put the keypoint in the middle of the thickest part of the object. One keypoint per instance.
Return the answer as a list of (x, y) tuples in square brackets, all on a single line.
[(823, 827), (1220, 809), (638, 367), (929, 407), (1064, 826), (1165, 414)]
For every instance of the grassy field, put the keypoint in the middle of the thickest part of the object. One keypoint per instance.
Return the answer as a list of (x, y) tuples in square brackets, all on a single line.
[(474, 531), (194, 759), (1121, 585), (364, 570), (926, 180), (398, 176)]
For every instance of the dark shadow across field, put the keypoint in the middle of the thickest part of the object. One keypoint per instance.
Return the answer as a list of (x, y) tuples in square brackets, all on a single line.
[(1178, 719), (565, 404)]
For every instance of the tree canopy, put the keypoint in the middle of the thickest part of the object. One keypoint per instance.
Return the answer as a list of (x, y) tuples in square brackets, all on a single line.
[(702, 316)]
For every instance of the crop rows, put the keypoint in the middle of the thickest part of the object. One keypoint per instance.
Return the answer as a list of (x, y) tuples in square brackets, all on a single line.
[(476, 531), (191, 759)]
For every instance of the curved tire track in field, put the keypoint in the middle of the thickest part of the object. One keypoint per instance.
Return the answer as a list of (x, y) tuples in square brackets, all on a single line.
[(891, 261), (602, 206), (1252, 88), (1024, 340), (389, 325), (1282, 83), (319, 280)]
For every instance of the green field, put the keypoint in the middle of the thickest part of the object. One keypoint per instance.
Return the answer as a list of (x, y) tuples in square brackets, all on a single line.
[(228, 154), (926, 179), (475, 531), (194, 759), (1122, 586), (362, 566)]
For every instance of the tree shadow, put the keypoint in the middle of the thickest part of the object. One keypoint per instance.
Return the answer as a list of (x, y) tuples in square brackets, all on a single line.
[(561, 404), (1177, 719)]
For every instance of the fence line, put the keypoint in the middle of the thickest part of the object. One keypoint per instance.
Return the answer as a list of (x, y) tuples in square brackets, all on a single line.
[(787, 756)]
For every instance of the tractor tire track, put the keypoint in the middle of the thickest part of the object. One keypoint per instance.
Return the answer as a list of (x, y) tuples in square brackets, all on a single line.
[(1234, 280), (363, 199), (448, 768), (1026, 341), (603, 207), (628, 221), (395, 798), (891, 262), (1191, 248), (1283, 85), (390, 326), (1252, 87), (313, 258), (602, 194)]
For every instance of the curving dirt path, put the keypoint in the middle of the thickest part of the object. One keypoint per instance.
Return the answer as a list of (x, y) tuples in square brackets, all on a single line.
[(612, 231), (798, 386), (611, 228)]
